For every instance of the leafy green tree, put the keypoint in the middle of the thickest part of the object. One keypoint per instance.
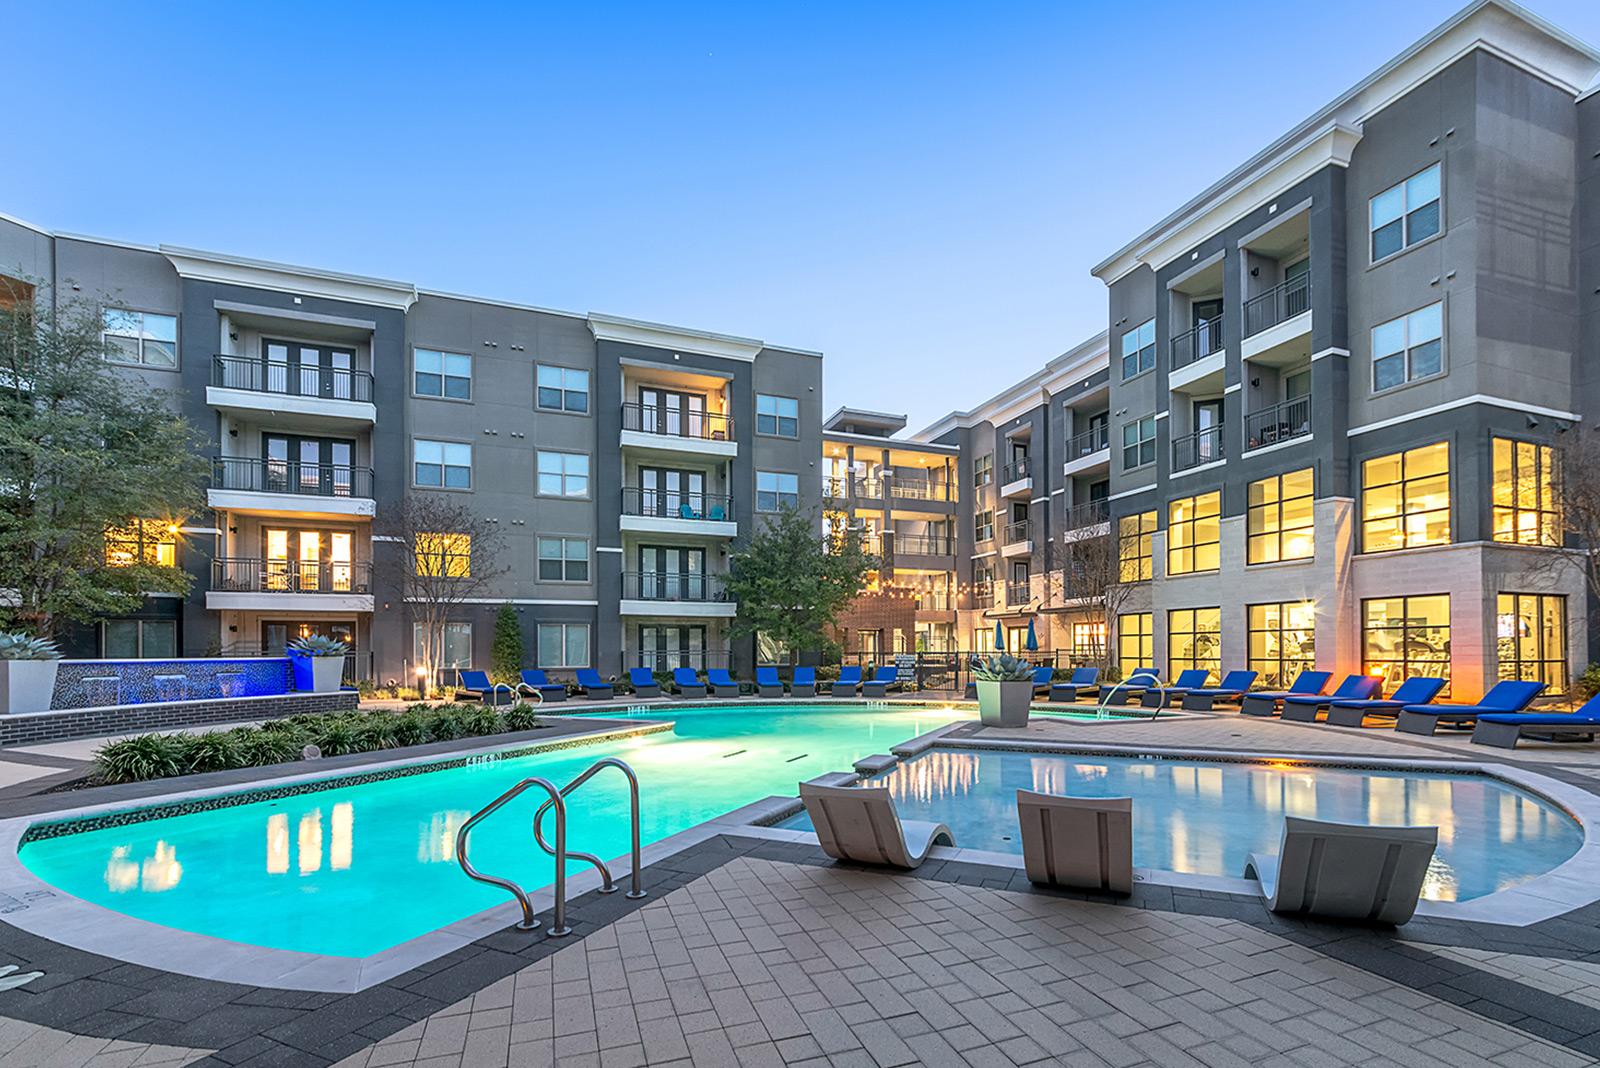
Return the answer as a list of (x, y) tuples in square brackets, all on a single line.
[(505, 652), (85, 449), (792, 583)]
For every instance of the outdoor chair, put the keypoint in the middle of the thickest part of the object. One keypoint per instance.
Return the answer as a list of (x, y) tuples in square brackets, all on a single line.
[(685, 683), (644, 683), (768, 684), (594, 687), (1084, 678), (1041, 679), (878, 685), (1417, 690), (1131, 688), (1298, 709), (1265, 702), (722, 684), (1345, 871), (534, 683), (1233, 687), (1504, 729), (848, 682), (1507, 697), (859, 824), (803, 683), (1081, 842), (475, 686), (1188, 679)]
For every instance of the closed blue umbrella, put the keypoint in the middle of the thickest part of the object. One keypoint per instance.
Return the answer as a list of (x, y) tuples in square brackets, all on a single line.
[(1033, 639), (999, 638)]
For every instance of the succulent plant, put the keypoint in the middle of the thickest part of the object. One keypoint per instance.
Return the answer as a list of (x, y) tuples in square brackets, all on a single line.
[(1002, 668), (317, 645), (19, 646)]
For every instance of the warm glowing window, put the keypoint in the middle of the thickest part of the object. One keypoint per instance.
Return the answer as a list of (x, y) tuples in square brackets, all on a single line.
[(1280, 518), (1405, 499), (1531, 635), (1135, 641), (446, 555), (1526, 507), (1194, 534), (1136, 545), (143, 541), (1194, 640), (1282, 641), (1088, 640), (1405, 636)]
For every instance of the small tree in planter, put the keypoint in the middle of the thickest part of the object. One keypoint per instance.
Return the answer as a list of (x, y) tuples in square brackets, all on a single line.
[(1005, 690), (318, 663), (27, 673)]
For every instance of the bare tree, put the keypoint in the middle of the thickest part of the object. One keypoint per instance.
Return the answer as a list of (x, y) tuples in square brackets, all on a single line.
[(447, 556), (1100, 570), (1575, 493)]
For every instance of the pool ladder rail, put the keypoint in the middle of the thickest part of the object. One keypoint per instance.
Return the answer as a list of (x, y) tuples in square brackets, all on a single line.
[(556, 800)]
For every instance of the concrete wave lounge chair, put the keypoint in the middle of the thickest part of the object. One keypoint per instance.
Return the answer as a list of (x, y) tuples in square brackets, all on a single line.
[(1188, 679), (1041, 679), (1081, 842), (1354, 688), (878, 686), (475, 686), (1346, 871), (594, 687), (858, 823), (804, 682), (1130, 689), (536, 683), (1232, 688), (1504, 698), (1084, 678), (644, 683), (1505, 729), (768, 684), (1265, 702), (848, 682), (685, 683), (722, 684), (1417, 690)]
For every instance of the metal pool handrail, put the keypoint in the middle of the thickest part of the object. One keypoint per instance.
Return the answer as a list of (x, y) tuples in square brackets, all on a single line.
[(558, 921), (637, 890)]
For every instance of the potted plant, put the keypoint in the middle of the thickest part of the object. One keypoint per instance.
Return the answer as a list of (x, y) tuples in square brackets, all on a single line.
[(27, 673), (318, 663), (1005, 690)]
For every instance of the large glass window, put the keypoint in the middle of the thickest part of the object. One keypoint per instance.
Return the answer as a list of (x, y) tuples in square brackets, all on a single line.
[(1531, 635), (1279, 522), (1405, 636), (1526, 509), (1282, 639), (983, 526), (453, 647), (1136, 546), (563, 645), (1138, 443), (779, 416), (563, 474), (562, 389), (441, 463), (1408, 348), (564, 560), (143, 541), (1405, 499), (143, 338), (983, 469), (1135, 641), (1404, 214), (776, 490), (443, 555), (442, 374), (1139, 349), (1194, 640), (1194, 534), (138, 639)]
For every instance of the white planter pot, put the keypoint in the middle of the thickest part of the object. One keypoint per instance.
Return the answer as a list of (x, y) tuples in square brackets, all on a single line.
[(27, 685), (1004, 704), (327, 672)]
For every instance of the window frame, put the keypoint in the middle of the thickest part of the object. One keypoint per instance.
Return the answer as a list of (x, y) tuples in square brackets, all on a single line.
[(1547, 483), (143, 336), (779, 493), (539, 475), (1193, 546), (1143, 635), (564, 560), (1407, 349), (444, 663), (140, 626), (1278, 662), (443, 466), (1140, 442), (1141, 366), (983, 470), (565, 629), (563, 409), (442, 552), (1404, 513), (1408, 666), (1541, 663), (443, 376), (1144, 555), (1212, 663), (983, 521), (146, 550), (1406, 211), (1252, 535), (778, 417)]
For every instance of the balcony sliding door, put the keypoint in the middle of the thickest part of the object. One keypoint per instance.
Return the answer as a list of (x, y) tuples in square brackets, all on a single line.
[(670, 412), (672, 573), (668, 493), (307, 370), (319, 467)]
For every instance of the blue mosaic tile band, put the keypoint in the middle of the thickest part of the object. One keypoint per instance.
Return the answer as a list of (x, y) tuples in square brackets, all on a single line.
[(96, 683)]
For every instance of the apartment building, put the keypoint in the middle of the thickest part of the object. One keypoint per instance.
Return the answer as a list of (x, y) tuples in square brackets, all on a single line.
[(620, 461)]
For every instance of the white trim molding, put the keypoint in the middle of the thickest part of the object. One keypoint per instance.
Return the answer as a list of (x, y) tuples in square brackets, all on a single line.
[(1464, 402), (674, 339), (283, 278)]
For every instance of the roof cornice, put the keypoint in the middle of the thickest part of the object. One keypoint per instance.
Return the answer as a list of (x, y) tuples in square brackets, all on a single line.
[(283, 278), (673, 338)]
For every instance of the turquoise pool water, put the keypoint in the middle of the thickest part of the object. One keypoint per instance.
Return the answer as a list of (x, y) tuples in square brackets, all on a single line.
[(1205, 818)]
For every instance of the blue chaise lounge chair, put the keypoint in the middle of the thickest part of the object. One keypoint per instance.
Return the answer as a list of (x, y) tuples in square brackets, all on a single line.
[(1417, 690), (594, 687), (1084, 678), (768, 684), (534, 683), (1299, 709), (1233, 687), (685, 683), (475, 686), (1505, 729), (1041, 679), (878, 685), (1503, 698), (722, 684), (1265, 702), (848, 682), (644, 683), (804, 682), (1188, 679), (1130, 688)]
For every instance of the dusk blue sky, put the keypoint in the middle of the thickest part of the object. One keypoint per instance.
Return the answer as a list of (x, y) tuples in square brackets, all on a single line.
[(917, 190)]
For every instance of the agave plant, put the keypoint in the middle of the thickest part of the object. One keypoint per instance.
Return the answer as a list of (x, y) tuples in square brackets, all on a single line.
[(16, 645), (317, 645), (1002, 668)]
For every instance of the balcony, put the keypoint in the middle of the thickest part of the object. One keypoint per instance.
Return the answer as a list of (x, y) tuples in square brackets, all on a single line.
[(1194, 450), (250, 583), (1016, 478), (1197, 343), (1277, 323), (674, 593), (1281, 422), (1018, 540), (659, 429), (1087, 515), (655, 511), (290, 488), (923, 545), (934, 601), (912, 489), (312, 396), (1018, 593), (834, 489), (1088, 450), (983, 595), (870, 489)]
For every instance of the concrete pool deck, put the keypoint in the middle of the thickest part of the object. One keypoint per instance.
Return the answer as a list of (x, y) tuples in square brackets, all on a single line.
[(755, 950)]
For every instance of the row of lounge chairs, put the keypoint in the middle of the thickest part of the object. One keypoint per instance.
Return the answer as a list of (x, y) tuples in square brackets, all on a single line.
[(686, 682), (1335, 870)]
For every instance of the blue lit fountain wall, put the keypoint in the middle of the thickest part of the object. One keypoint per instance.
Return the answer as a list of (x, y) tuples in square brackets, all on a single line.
[(97, 683)]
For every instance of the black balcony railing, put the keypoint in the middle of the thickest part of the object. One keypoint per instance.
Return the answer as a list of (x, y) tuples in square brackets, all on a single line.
[(1280, 303), (1197, 343), (1019, 531), (672, 586), (1088, 443), (1019, 592), (698, 659), (677, 504), (923, 545), (290, 476), (983, 595), (235, 574), (1280, 422), (1017, 470), (870, 488), (1201, 447), (1088, 514), (917, 489), (676, 422), (291, 379)]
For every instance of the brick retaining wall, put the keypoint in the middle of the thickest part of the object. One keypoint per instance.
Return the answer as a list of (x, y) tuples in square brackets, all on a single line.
[(35, 727)]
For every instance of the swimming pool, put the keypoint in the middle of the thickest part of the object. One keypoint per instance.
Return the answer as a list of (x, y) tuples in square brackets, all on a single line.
[(1205, 817)]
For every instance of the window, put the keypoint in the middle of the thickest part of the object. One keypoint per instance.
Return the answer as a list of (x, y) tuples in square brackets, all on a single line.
[(447, 464), (1531, 633), (564, 560), (562, 389), (563, 474), (779, 416), (1279, 520), (983, 526), (1405, 499), (563, 645), (1282, 641), (453, 646), (442, 374), (1194, 640), (983, 470), (1405, 636), (1194, 534), (1408, 348), (143, 541), (140, 337), (1136, 546), (1139, 349), (776, 490), (1526, 509), (138, 639), (1088, 640), (444, 555), (1135, 641), (1404, 214), (1139, 443)]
